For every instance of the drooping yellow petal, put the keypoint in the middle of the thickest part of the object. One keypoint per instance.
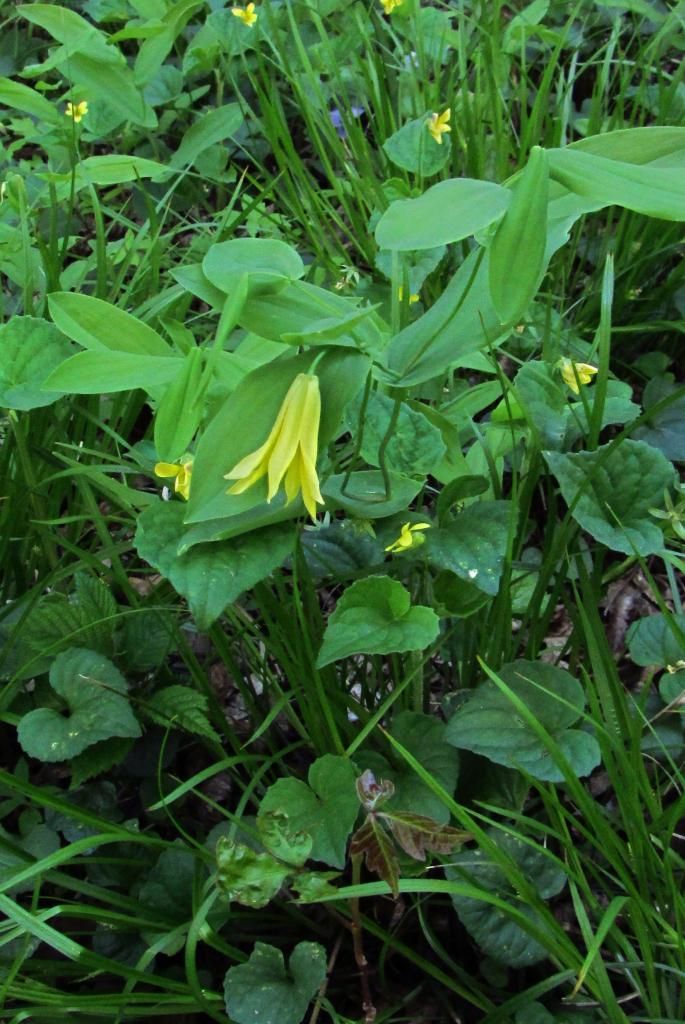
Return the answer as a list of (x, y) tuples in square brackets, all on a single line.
[(311, 494), (289, 453), (167, 469), (288, 438)]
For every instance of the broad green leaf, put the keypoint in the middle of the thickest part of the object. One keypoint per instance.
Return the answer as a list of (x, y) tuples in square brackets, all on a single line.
[(209, 576), (261, 991), (156, 48), (461, 322), (92, 373), (415, 447), (192, 279), (244, 422), (22, 97), (611, 491), (30, 350), (424, 737), (655, 640), (181, 708), (517, 252), (294, 308), (325, 809), (117, 169), (365, 495), (413, 149), (654, 191), (35, 843), (664, 429), (341, 330), (341, 549), (98, 759), (281, 841), (95, 694), (447, 212), (559, 423), (100, 326), (494, 930), (75, 33), (489, 724), (180, 411), (215, 126), (474, 545), (374, 616), (168, 887), (246, 876), (267, 261)]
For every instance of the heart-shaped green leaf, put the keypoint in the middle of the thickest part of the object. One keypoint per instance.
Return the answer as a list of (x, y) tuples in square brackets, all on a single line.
[(261, 991), (209, 576), (325, 809), (95, 694), (374, 616), (489, 724), (30, 350), (611, 491)]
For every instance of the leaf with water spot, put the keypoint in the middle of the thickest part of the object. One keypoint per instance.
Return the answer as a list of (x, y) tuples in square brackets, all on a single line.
[(474, 545), (94, 694)]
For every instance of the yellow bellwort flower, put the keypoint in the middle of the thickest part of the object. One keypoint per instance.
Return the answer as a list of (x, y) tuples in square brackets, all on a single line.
[(409, 537), (574, 374), (289, 452), (181, 472), (247, 15), (437, 125), (390, 5), (76, 111)]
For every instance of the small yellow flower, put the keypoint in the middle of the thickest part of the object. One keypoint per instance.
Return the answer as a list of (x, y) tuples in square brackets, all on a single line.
[(390, 5), (290, 450), (409, 537), (247, 15), (574, 374), (412, 298), (76, 111), (437, 124), (181, 472)]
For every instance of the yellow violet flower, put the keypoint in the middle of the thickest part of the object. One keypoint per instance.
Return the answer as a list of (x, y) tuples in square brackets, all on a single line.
[(290, 450), (409, 537), (181, 472), (437, 124), (575, 373), (412, 298), (76, 111), (247, 15), (390, 5)]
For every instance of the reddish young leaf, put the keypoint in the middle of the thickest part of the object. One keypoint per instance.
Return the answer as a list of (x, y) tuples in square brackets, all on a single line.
[(372, 841)]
